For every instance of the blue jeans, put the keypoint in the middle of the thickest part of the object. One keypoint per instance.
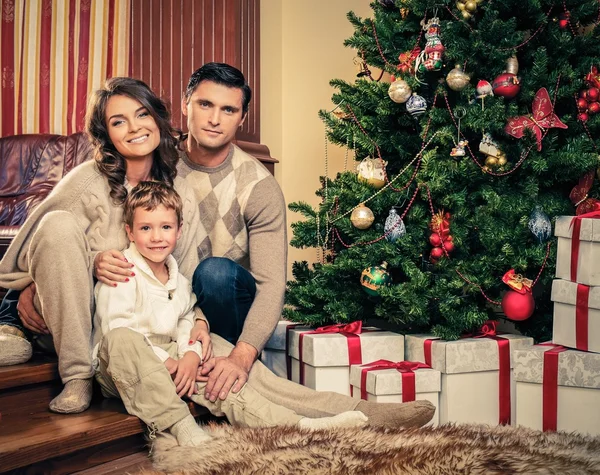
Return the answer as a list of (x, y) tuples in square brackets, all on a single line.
[(225, 292), (8, 310)]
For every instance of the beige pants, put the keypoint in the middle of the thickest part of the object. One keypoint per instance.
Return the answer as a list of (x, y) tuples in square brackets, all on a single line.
[(59, 265), (129, 369)]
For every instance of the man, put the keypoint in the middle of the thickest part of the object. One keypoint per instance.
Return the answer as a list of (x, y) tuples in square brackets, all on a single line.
[(240, 281)]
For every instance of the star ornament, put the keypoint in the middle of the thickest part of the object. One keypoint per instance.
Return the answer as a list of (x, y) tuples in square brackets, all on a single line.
[(542, 118)]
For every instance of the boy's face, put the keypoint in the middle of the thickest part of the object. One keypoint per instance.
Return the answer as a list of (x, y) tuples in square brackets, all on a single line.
[(155, 233), (214, 113)]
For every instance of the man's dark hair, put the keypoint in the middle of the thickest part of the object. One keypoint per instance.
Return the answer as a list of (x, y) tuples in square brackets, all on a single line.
[(223, 74)]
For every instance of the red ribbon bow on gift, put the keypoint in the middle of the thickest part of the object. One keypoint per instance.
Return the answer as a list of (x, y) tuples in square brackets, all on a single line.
[(579, 195), (517, 282), (404, 367), (543, 117), (355, 328)]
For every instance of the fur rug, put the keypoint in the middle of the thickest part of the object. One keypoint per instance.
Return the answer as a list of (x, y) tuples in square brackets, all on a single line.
[(450, 449)]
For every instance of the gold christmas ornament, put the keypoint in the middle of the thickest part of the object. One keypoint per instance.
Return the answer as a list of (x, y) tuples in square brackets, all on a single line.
[(512, 65), (457, 79), (471, 6), (399, 91), (372, 171), (362, 217)]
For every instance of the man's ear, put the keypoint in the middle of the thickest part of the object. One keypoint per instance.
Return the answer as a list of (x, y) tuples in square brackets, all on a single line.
[(184, 106), (129, 233), (243, 119)]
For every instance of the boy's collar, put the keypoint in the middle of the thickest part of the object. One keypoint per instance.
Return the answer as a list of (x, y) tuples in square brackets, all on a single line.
[(142, 265)]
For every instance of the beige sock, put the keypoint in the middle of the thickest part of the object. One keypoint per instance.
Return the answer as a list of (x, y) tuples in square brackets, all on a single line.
[(394, 415), (344, 419), (75, 397), (188, 432), (14, 347)]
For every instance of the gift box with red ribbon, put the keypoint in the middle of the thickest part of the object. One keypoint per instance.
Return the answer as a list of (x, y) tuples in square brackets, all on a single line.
[(576, 322), (274, 355), (403, 381), (578, 252), (321, 358), (476, 382), (557, 389)]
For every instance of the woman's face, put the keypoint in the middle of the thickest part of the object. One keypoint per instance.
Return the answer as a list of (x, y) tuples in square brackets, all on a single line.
[(131, 128)]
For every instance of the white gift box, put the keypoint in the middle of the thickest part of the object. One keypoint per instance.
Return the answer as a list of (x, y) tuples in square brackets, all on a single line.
[(274, 354), (386, 385), (588, 270), (470, 367), (578, 393), (568, 330), (326, 360)]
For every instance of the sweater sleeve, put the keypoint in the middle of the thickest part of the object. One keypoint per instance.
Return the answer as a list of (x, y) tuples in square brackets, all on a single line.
[(266, 223), (116, 308), (185, 323)]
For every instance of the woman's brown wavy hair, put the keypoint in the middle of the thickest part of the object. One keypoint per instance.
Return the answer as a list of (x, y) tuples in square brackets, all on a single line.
[(110, 162)]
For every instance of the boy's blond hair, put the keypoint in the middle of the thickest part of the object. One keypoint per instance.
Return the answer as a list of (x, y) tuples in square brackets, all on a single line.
[(150, 195)]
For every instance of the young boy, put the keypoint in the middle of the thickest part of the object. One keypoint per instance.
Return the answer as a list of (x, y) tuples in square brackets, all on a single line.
[(142, 348)]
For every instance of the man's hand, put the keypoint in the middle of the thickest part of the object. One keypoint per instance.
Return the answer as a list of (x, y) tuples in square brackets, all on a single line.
[(28, 314), (200, 333), (111, 267), (228, 373), (185, 380)]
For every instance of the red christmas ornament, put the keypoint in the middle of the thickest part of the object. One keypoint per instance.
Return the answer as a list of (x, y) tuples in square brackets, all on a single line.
[(563, 20), (436, 253), (583, 117), (506, 85), (435, 240), (594, 108), (517, 303), (593, 93), (582, 104), (583, 94), (518, 306), (579, 195), (449, 246)]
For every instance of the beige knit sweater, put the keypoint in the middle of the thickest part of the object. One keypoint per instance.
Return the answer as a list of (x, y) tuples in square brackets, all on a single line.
[(85, 192), (242, 214)]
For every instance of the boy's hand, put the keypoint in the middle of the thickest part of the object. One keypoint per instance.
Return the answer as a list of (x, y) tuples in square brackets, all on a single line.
[(185, 380), (171, 366), (201, 334)]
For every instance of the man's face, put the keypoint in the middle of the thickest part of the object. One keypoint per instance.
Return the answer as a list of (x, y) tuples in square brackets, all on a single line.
[(214, 113)]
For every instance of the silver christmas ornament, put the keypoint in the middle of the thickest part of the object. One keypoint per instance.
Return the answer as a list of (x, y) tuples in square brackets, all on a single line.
[(416, 105), (394, 226), (540, 225)]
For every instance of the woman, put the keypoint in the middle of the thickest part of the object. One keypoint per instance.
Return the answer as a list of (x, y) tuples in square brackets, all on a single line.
[(79, 226)]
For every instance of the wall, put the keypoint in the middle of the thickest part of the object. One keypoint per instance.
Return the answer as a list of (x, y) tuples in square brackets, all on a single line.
[(301, 51)]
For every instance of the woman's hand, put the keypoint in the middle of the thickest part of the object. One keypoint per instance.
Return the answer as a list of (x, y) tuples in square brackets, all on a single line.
[(28, 314), (111, 267)]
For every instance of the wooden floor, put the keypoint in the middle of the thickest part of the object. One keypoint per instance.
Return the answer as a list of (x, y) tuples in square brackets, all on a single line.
[(102, 440)]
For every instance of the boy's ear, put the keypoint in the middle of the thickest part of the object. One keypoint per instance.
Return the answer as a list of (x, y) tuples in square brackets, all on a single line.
[(129, 233), (180, 230)]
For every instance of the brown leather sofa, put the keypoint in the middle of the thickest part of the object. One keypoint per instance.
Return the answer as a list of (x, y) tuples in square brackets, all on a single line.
[(30, 166)]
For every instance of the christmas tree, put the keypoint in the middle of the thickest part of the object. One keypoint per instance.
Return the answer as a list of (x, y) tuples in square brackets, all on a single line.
[(465, 157)]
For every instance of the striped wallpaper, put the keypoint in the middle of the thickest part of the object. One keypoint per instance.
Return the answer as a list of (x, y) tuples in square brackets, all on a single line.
[(52, 54)]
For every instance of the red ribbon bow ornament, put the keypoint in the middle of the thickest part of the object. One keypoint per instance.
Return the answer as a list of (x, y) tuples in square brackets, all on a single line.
[(579, 195), (517, 282), (543, 117), (593, 78)]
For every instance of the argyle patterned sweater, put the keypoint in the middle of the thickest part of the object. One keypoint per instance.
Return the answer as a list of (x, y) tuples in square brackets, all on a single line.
[(242, 215)]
